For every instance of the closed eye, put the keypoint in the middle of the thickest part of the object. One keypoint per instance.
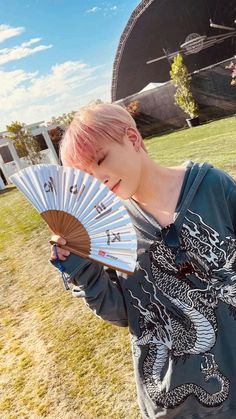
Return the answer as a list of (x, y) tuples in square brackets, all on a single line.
[(101, 160)]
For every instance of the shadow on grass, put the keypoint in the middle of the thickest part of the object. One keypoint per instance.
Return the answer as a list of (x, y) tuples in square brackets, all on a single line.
[(7, 189)]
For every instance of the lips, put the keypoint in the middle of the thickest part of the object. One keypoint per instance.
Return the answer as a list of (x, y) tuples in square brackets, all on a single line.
[(116, 186)]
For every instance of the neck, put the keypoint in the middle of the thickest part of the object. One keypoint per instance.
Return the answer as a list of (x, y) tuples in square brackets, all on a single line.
[(157, 183)]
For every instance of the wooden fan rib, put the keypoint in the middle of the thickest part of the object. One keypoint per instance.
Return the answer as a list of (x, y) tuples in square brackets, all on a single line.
[(58, 222)]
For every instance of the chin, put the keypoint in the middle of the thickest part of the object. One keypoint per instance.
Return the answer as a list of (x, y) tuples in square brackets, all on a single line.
[(124, 195)]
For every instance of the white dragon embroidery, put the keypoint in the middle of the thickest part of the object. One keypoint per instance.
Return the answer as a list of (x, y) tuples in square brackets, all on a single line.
[(187, 324)]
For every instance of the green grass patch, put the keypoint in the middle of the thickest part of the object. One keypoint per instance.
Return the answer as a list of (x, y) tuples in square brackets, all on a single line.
[(213, 142)]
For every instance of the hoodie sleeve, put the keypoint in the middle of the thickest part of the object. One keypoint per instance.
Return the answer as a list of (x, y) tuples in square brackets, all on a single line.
[(232, 203), (100, 287)]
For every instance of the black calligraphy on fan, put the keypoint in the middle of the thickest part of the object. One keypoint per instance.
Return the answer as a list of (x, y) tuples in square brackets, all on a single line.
[(112, 237), (49, 186), (102, 210), (74, 189)]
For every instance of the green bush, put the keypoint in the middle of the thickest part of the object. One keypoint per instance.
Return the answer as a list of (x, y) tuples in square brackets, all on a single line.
[(181, 79)]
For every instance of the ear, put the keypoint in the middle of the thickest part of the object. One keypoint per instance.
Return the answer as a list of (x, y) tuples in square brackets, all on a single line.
[(134, 137)]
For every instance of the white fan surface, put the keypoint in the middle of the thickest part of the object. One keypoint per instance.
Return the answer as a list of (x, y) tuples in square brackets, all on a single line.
[(69, 199)]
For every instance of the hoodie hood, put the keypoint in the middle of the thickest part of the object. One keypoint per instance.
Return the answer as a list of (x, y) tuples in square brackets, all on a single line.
[(150, 226)]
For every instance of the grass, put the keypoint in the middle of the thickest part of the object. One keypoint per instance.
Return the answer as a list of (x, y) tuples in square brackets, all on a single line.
[(214, 142), (57, 359)]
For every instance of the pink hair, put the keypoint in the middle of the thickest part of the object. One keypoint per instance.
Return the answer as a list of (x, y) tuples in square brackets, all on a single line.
[(91, 125)]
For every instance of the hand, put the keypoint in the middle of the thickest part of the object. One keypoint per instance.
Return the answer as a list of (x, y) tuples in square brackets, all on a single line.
[(62, 253)]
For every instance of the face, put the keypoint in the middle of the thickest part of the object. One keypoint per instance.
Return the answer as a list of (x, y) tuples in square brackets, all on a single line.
[(118, 166)]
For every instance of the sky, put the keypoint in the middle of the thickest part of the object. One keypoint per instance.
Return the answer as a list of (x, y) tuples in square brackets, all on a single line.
[(57, 55)]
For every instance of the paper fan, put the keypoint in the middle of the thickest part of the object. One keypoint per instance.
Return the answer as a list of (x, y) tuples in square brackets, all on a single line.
[(84, 211)]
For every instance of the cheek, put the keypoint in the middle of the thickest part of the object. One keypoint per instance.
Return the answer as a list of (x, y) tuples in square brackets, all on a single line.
[(127, 167), (131, 180)]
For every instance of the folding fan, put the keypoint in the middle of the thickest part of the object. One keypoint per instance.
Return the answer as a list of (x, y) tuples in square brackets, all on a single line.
[(84, 211)]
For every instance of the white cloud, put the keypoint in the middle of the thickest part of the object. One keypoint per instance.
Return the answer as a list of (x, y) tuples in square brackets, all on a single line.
[(7, 32), (11, 80), (109, 10), (21, 51), (29, 97), (106, 8), (93, 9), (30, 42)]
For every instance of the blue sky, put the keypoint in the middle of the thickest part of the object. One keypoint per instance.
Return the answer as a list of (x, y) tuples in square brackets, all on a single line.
[(57, 55)]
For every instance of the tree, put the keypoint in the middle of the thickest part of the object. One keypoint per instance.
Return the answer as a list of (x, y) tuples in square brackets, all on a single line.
[(61, 124), (63, 120), (56, 135), (133, 108), (96, 102), (181, 79), (24, 142)]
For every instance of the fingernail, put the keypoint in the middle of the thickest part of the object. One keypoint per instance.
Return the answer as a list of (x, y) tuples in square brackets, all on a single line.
[(67, 253), (62, 241)]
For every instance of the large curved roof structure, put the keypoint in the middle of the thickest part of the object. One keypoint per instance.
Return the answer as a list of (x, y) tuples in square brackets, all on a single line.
[(157, 29)]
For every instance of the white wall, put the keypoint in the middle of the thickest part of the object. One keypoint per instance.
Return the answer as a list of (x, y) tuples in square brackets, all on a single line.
[(49, 155), (11, 167)]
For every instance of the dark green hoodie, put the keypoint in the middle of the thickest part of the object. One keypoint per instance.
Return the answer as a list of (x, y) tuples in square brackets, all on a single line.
[(183, 329)]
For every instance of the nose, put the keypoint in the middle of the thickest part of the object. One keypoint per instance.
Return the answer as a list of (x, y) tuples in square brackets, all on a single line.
[(97, 173), (103, 179)]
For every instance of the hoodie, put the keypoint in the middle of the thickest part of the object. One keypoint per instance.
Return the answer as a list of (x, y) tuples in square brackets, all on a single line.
[(183, 329)]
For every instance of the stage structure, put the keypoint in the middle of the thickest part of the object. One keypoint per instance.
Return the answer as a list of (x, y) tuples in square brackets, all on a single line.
[(204, 31)]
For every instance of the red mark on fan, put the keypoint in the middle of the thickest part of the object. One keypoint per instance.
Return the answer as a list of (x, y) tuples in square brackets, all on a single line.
[(101, 253)]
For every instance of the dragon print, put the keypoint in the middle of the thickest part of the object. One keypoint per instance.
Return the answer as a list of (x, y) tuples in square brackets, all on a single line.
[(178, 318)]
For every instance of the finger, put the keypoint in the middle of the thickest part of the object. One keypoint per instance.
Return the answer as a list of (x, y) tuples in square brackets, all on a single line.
[(62, 258), (58, 240), (57, 252)]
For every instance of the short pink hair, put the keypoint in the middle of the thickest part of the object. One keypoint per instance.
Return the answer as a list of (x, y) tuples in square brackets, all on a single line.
[(90, 125)]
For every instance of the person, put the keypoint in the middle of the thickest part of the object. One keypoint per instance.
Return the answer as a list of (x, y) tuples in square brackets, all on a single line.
[(180, 303)]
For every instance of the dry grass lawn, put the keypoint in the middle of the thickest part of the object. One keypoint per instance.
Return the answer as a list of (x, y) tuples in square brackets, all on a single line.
[(57, 359)]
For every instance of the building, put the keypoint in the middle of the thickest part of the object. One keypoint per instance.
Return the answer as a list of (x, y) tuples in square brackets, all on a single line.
[(157, 29), (203, 31), (10, 162)]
